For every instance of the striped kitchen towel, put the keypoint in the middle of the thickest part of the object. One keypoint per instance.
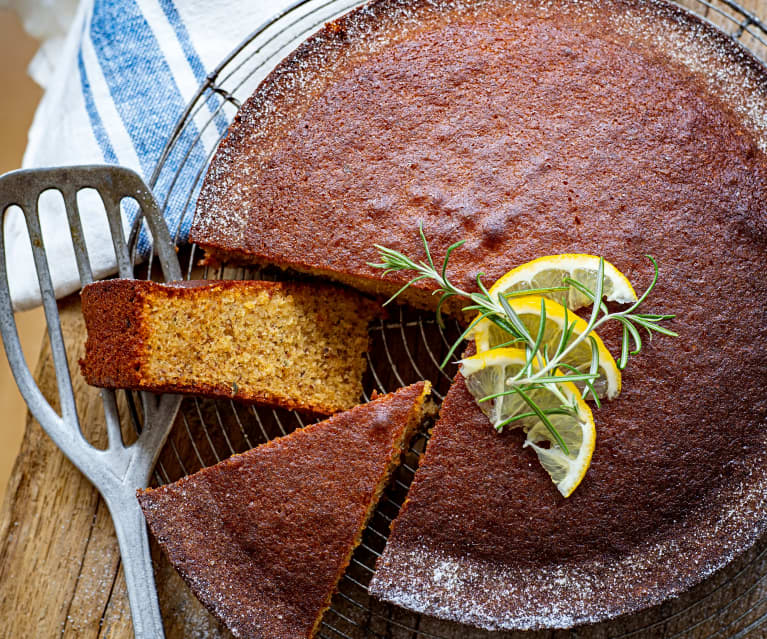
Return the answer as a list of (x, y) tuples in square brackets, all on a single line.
[(123, 77)]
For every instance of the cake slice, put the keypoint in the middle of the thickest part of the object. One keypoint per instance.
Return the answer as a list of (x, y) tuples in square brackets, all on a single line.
[(262, 538), (294, 345)]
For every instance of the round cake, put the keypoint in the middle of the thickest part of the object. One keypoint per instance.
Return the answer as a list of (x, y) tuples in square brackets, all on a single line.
[(534, 128)]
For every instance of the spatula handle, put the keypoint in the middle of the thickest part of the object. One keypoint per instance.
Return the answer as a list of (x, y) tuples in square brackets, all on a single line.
[(133, 538)]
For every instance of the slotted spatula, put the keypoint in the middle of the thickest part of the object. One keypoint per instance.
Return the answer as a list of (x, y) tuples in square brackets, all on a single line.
[(118, 470)]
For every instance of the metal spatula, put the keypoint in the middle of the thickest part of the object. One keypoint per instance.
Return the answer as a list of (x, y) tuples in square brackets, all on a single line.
[(119, 470)]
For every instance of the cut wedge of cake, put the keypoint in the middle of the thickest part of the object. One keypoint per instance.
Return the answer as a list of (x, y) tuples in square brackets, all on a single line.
[(262, 538), (294, 345)]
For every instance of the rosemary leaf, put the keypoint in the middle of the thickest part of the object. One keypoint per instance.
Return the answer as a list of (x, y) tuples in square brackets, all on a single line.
[(624, 358), (544, 418), (514, 319)]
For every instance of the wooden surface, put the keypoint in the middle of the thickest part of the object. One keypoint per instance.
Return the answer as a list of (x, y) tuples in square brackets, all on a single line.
[(60, 569), (18, 99)]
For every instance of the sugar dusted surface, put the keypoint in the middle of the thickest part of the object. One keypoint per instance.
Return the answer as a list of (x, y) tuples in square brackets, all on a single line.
[(727, 69), (423, 574), (262, 538), (446, 586)]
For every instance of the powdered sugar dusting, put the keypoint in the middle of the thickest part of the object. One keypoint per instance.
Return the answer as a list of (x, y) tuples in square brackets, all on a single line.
[(509, 596), (222, 214), (729, 71)]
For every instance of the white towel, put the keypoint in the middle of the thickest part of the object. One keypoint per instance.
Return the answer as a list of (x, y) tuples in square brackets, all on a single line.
[(121, 79)]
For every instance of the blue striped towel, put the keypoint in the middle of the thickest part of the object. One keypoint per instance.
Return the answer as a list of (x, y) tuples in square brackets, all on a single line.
[(123, 78)]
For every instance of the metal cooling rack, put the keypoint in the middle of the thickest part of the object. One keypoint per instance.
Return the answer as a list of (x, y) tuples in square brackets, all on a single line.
[(406, 348)]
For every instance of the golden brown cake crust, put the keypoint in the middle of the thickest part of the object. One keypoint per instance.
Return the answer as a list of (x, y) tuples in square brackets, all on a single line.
[(263, 537), (112, 310), (117, 351), (506, 123)]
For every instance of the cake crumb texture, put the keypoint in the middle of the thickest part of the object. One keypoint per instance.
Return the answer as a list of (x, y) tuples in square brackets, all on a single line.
[(293, 345)]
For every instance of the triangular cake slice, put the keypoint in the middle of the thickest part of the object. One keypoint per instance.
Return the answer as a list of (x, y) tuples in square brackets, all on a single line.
[(262, 538)]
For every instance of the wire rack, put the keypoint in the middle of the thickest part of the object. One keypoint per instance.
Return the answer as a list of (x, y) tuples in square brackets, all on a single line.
[(405, 348)]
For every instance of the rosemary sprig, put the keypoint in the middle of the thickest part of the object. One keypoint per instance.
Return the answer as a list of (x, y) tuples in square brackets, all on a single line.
[(542, 368)]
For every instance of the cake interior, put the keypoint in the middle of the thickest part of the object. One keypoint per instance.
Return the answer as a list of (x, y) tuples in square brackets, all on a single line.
[(293, 344)]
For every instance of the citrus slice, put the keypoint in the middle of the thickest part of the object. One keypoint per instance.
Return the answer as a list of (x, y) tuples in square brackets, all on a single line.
[(550, 271), (488, 335), (492, 372)]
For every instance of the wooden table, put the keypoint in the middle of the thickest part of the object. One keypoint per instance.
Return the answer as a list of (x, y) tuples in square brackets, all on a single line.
[(60, 572)]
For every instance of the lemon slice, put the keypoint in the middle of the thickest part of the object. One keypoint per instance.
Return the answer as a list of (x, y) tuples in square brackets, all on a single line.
[(488, 336), (489, 373), (566, 471), (550, 271)]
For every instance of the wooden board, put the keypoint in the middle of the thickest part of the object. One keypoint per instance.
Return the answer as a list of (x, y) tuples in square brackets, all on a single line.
[(59, 561), (60, 570)]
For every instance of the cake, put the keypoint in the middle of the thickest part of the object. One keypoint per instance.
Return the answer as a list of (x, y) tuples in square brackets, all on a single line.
[(612, 128), (262, 538), (295, 345)]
